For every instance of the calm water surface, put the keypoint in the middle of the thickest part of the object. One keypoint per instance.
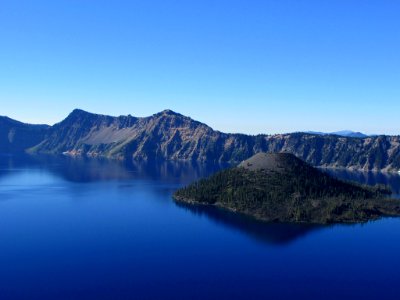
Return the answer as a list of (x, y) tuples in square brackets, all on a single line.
[(90, 229)]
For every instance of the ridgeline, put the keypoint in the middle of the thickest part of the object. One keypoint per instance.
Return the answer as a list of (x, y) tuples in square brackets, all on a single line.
[(168, 135)]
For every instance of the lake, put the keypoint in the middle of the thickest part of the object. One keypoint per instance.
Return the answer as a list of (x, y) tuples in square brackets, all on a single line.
[(98, 229)]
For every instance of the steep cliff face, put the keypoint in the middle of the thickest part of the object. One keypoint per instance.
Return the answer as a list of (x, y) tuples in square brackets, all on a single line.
[(371, 153), (83, 133), (171, 136), (15, 136)]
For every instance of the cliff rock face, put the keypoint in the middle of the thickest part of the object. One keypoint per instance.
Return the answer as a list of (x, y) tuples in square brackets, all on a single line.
[(16, 137), (379, 153), (171, 136)]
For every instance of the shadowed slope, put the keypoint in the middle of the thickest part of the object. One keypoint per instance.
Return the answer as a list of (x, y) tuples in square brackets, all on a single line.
[(16, 137)]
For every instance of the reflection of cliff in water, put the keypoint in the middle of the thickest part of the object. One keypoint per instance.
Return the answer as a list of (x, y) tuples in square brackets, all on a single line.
[(392, 180), (270, 233), (81, 169)]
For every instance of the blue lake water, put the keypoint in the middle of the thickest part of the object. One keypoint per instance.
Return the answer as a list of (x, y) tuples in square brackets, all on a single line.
[(92, 229)]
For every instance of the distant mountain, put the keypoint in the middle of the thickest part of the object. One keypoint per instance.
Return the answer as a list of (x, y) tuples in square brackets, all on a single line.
[(16, 137), (171, 136), (350, 133), (345, 133), (279, 187)]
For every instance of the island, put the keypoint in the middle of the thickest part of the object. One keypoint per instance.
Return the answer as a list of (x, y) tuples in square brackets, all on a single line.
[(279, 187)]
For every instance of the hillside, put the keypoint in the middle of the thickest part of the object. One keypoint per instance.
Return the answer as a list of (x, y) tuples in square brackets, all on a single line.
[(282, 188), (171, 136), (16, 137)]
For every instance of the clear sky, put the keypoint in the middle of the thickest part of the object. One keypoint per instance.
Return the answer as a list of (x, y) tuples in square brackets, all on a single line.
[(240, 66)]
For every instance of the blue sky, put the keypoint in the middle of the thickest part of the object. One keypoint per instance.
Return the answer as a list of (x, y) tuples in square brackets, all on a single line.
[(239, 66)]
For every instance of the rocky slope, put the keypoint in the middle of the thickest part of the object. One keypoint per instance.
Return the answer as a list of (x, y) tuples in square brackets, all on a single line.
[(280, 187), (171, 136), (16, 137)]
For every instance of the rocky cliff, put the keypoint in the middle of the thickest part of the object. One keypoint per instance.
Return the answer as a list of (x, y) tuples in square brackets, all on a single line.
[(171, 136)]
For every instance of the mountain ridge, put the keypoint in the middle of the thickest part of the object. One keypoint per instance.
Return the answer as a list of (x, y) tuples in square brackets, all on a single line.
[(16, 137), (168, 135), (344, 133)]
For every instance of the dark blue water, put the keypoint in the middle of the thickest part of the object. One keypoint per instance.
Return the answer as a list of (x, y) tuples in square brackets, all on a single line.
[(90, 229)]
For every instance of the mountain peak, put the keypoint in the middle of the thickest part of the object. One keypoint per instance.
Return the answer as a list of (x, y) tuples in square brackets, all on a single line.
[(270, 161), (78, 111), (77, 115), (350, 133), (8, 119), (169, 112), (343, 133)]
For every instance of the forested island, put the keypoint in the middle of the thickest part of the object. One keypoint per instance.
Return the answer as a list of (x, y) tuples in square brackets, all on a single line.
[(279, 187)]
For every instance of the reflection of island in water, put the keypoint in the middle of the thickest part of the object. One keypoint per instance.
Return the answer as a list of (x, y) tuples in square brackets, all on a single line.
[(176, 174), (270, 233), (280, 233)]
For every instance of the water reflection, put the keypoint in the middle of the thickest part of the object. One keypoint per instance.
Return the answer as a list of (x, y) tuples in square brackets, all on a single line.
[(392, 180), (270, 233), (82, 169), (171, 175)]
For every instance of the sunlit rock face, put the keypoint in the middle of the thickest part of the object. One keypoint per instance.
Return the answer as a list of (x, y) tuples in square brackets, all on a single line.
[(171, 136)]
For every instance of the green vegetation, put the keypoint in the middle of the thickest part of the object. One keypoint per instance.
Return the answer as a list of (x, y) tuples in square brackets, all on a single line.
[(289, 190)]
